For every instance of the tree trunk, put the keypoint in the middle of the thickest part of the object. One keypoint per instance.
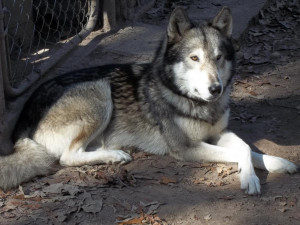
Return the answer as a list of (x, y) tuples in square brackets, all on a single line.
[(109, 14)]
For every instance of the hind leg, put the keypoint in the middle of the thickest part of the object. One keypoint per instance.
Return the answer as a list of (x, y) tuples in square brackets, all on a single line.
[(78, 118), (100, 156), (79, 153)]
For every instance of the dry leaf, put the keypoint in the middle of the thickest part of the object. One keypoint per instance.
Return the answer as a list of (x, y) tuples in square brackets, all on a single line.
[(264, 82), (282, 210), (199, 180), (21, 197), (8, 215), (132, 221), (293, 202), (124, 205), (206, 165), (93, 208), (152, 219), (220, 171), (233, 171), (166, 180), (4, 194), (220, 183), (136, 176), (152, 209), (102, 175), (282, 203), (253, 93), (196, 217), (61, 188), (31, 198), (63, 180), (214, 183), (12, 204), (139, 155), (209, 183), (33, 206), (224, 175)]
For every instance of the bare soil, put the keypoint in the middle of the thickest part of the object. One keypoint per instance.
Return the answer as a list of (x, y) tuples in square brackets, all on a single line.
[(160, 190)]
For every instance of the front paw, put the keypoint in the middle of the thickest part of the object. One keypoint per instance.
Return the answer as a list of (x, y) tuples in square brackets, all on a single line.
[(249, 182), (279, 165)]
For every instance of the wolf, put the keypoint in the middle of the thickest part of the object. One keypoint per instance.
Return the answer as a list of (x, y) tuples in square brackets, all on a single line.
[(177, 105)]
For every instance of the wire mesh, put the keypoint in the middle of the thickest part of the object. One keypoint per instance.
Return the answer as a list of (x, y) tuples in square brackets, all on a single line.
[(37, 29)]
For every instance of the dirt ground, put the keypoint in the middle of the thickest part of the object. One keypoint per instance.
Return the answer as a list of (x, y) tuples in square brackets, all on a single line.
[(160, 190)]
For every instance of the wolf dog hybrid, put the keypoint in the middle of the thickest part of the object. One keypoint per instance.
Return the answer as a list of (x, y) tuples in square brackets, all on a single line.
[(176, 105)]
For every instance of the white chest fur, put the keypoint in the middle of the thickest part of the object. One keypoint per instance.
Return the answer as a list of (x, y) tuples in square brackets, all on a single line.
[(198, 130)]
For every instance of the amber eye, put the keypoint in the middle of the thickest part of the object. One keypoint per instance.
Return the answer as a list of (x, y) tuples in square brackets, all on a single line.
[(195, 58), (219, 57)]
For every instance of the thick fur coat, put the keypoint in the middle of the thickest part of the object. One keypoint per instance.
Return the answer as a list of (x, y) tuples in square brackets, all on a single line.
[(177, 105)]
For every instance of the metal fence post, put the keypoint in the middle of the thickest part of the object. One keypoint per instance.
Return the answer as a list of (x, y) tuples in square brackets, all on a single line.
[(2, 98), (44, 52), (46, 37), (2, 43)]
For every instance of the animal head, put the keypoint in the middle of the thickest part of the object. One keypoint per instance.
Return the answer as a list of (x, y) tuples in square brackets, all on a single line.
[(198, 59)]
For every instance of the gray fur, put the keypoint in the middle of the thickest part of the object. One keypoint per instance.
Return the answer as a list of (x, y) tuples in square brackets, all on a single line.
[(30, 159), (165, 107)]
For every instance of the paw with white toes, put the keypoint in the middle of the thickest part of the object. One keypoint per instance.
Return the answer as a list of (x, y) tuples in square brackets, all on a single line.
[(279, 165), (249, 182), (119, 156)]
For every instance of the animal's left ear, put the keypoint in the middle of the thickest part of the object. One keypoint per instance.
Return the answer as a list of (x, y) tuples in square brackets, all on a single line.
[(223, 21)]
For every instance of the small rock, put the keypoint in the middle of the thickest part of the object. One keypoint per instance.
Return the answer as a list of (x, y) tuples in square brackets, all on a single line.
[(275, 55), (282, 210), (207, 217)]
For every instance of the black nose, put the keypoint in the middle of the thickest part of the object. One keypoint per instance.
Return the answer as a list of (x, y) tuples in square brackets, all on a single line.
[(215, 89)]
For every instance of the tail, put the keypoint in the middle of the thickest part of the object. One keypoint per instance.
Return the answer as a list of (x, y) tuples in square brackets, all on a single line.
[(30, 159)]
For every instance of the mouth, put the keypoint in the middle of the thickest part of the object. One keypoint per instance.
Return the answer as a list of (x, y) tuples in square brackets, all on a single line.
[(211, 98)]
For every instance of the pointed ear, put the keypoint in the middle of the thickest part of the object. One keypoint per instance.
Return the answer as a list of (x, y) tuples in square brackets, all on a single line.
[(223, 21), (179, 23)]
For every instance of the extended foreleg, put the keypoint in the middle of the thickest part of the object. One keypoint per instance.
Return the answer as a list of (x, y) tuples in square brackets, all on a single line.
[(226, 148), (274, 164), (243, 154)]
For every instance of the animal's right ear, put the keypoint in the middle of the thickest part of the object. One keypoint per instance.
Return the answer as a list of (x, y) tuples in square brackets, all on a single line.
[(179, 23)]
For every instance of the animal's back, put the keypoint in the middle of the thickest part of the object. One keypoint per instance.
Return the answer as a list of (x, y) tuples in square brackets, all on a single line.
[(51, 91)]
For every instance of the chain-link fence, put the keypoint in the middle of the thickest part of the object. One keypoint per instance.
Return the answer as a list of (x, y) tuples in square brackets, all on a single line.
[(37, 34)]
